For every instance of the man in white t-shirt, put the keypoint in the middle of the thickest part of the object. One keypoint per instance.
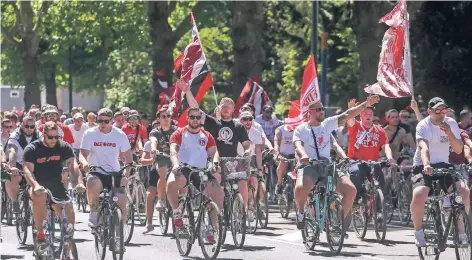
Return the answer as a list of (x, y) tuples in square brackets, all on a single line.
[(250, 108), (78, 129), (102, 146), (434, 135), (283, 145), (306, 148), (268, 122)]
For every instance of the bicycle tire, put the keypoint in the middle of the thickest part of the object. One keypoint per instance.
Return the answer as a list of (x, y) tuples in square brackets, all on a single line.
[(389, 203), (187, 212), (404, 199), (284, 203), (116, 228), (9, 213), (164, 216), (140, 204), (129, 229), (432, 215), (262, 213), (252, 225), (380, 232), (310, 227), (207, 211), (70, 250), (226, 218), (457, 246), (238, 225), (23, 219), (101, 237), (359, 216), (338, 208)]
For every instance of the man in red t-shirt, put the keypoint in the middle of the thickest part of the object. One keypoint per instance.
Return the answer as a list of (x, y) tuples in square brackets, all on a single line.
[(137, 134), (50, 113)]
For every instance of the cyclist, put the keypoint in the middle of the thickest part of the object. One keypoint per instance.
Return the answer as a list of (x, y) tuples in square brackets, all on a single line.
[(16, 144), (312, 140), (70, 120), (268, 122), (50, 113), (77, 129), (43, 162), (250, 107), (397, 136), (136, 133), (7, 127), (192, 145), (159, 138), (103, 146), (283, 147), (91, 120), (119, 120)]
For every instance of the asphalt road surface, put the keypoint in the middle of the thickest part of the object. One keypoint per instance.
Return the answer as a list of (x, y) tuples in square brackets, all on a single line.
[(280, 241)]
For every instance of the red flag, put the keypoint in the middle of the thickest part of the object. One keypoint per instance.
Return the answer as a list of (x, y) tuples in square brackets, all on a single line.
[(194, 70), (178, 63), (394, 71), (309, 92), (252, 93)]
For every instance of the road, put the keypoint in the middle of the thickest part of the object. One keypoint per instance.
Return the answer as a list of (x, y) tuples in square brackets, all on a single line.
[(280, 241)]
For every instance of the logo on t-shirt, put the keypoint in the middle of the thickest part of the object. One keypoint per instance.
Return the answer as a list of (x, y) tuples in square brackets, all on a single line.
[(48, 159), (370, 140), (225, 134), (104, 144), (202, 142), (444, 139)]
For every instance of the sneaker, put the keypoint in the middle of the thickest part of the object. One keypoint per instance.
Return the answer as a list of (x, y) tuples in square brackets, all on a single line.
[(93, 220), (69, 231), (463, 239), (41, 242), (210, 235), (279, 189), (419, 238), (300, 222), (161, 205), (118, 248), (16, 207), (178, 222), (149, 228)]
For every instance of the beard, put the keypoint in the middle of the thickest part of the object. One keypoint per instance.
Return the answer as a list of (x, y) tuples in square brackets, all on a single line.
[(194, 126), (225, 117)]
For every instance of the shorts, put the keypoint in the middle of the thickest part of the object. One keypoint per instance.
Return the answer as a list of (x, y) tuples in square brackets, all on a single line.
[(195, 179), (290, 165), (106, 180), (363, 173), (419, 179), (317, 173), (57, 189), (163, 162), (153, 177)]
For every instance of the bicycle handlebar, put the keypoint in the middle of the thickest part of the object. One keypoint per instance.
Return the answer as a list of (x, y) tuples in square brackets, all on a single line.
[(162, 154), (111, 173), (53, 199)]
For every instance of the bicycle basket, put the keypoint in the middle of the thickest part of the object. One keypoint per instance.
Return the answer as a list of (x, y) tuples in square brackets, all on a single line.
[(234, 168)]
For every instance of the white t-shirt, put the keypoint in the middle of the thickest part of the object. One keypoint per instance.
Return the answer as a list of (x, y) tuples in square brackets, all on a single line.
[(147, 147), (286, 144), (342, 138), (193, 147), (105, 148), (438, 141), (77, 135), (255, 136), (323, 136), (14, 141), (258, 127)]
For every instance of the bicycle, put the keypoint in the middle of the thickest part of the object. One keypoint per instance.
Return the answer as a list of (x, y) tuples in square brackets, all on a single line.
[(398, 195), (24, 219), (436, 233), (7, 204), (371, 205), (66, 249), (185, 237), (136, 192), (165, 214), (257, 208), (109, 230), (286, 199), (325, 211), (82, 200), (234, 169)]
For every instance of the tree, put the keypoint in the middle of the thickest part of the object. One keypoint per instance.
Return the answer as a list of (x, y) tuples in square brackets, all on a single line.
[(23, 31)]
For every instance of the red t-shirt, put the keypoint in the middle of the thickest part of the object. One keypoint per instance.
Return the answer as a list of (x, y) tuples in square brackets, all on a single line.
[(63, 131), (131, 133), (455, 158), (369, 149)]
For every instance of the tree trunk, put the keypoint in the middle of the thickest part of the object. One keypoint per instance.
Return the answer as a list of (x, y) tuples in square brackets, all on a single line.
[(369, 34), (162, 47), (50, 83), (32, 82), (246, 36)]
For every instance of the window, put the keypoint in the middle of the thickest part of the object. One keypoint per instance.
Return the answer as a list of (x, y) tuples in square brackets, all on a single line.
[(14, 93)]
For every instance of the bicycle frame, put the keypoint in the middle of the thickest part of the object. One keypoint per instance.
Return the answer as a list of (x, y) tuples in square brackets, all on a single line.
[(322, 190)]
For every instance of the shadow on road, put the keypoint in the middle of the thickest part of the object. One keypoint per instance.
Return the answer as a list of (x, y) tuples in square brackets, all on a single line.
[(331, 254), (268, 234), (324, 244), (387, 242), (26, 248), (137, 245), (199, 258), (12, 257), (81, 240), (226, 248)]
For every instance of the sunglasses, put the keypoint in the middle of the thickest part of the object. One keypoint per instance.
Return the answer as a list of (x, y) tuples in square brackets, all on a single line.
[(133, 118), (319, 109), (52, 137), (405, 117), (195, 117), (29, 126), (125, 113), (7, 126), (50, 115), (440, 111), (103, 121), (245, 119), (165, 116)]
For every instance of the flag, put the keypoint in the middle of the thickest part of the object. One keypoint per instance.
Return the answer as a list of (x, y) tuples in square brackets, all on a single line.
[(194, 70), (310, 92), (394, 77), (252, 93)]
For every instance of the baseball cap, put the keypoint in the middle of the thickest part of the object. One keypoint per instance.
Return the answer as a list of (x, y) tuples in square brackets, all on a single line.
[(78, 115), (49, 109), (125, 109), (105, 112), (245, 114), (435, 102)]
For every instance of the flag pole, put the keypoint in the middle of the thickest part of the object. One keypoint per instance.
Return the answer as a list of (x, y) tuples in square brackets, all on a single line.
[(407, 49), (203, 53)]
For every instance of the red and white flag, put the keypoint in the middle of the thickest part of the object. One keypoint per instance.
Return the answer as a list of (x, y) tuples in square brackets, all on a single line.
[(252, 93), (394, 76), (310, 92), (194, 70)]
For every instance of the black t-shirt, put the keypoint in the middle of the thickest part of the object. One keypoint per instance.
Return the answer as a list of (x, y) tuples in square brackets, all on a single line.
[(163, 138), (48, 162), (406, 127), (227, 135)]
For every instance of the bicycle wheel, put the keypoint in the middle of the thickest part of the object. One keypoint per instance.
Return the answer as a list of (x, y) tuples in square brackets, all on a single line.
[(238, 221), (404, 200), (83, 202), (9, 212), (284, 203), (380, 216), (390, 202), (251, 215), (101, 235), (311, 231), (432, 229), (140, 203), (211, 224), (128, 228), (462, 246), (116, 231), (262, 207), (226, 218), (359, 220), (335, 224), (23, 219), (70, 251), (164, 216), (184, 237)]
